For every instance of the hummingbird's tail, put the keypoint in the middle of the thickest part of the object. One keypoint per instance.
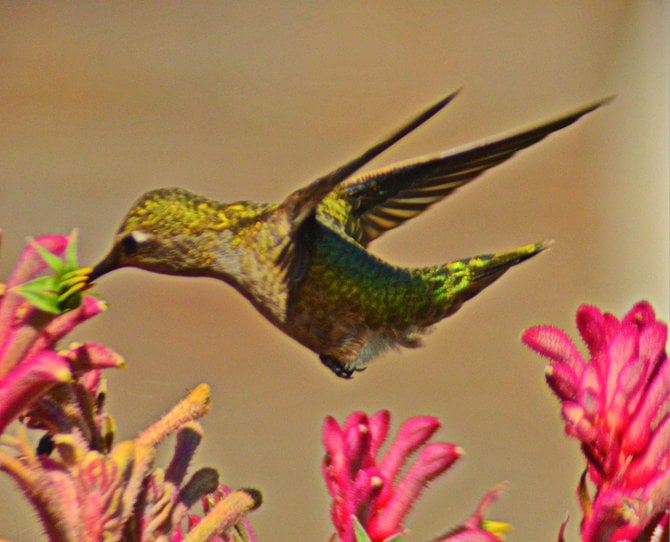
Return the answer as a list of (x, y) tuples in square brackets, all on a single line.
[(464, 279)]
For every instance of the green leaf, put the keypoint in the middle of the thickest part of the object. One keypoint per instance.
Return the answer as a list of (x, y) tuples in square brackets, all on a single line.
[(53, 261), (584, 497), (61, 291), (44, 300), (361, 535), (41, 283), (71, 251)]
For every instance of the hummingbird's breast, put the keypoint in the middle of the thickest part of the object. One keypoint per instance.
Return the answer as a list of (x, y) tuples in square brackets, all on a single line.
[(351, 305)]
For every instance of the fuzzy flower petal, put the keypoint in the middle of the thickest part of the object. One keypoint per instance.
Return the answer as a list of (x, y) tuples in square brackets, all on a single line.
[(26, 383), (435, 458), (618, 405), (369, 492)]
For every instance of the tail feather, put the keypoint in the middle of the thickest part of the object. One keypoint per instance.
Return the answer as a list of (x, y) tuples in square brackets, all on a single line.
[(464, 279), (485, 266)]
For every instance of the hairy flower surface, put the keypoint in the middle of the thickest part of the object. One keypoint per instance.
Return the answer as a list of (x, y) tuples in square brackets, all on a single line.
[(366, 485), (30, 364), (222, 502), (82, 485), (618, 405)]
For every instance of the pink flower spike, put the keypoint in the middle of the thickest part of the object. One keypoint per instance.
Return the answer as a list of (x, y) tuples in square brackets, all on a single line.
[(562, 380), (630, 380), (63, 324), (357, 441), (81, 484), (642, 314), (411, 436), (335, 461), (656, 454), (655, 406), (652, 342), (435, 458), (28, 381), (332, 437), (367, 485), (623, 352), (488, 500), (30, 264), (91, 381), (593, 328), (576, 424), (379, 429), (90, 356), (476, 528), (362, 486), (620, 411), (554, 344)]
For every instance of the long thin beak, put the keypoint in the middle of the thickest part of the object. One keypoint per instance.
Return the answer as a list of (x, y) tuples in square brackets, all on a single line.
[(104, 266)]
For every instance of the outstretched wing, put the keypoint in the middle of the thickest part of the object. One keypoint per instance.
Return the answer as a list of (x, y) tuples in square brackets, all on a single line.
[(378, 201), (295, 216)]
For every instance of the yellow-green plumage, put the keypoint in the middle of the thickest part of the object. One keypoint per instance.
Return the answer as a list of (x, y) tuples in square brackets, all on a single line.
[(304, 264)]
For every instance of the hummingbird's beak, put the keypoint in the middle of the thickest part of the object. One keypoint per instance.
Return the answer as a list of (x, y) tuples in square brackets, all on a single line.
[(103, 267)]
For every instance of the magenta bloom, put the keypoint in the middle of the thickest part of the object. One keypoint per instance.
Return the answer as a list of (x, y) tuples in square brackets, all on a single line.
[(366, 486), (83, 485), (617, 404), (30, 363)]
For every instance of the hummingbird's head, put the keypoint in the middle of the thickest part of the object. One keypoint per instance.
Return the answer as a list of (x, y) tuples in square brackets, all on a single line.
[(167, 231), (133, 248)]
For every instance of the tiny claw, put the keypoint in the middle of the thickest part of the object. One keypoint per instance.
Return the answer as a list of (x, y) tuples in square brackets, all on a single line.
[(340, 370)]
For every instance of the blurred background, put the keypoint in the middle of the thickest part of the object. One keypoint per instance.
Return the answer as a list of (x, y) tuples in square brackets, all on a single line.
[(237, 100)]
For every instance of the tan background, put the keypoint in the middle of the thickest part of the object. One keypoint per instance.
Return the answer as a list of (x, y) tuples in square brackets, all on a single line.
[(251, 100)]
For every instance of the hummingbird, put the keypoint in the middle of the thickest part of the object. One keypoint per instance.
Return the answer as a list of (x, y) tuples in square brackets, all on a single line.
[(304, 263)]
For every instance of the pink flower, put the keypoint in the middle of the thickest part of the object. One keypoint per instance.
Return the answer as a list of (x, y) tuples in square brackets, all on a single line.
[(476, 528), (367, 485), (618, 405), (30, 365), (82, 485)]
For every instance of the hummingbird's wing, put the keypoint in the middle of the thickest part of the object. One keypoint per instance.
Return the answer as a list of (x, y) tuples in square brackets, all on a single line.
[(304, 201), (385, 198), (298, 210)]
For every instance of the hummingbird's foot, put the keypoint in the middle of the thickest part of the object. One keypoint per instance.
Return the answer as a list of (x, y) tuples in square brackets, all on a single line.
[(339, 368)]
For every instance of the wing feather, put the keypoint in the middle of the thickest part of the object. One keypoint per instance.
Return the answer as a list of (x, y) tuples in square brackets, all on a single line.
[(383, 199)]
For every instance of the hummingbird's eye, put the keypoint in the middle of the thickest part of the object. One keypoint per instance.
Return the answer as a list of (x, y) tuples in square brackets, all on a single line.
[(133, 241)]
